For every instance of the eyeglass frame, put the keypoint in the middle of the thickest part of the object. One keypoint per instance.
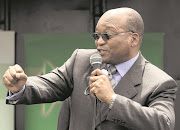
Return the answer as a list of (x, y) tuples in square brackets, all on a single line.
[(109, 35)]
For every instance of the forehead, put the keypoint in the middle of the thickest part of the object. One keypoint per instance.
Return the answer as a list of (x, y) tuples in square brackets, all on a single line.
[(106, 27), (110, 23)]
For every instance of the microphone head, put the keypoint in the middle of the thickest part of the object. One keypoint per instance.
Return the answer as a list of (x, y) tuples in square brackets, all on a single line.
[(96, 60)]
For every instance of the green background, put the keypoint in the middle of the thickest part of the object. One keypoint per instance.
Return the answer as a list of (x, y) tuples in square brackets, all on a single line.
[(44, 52)]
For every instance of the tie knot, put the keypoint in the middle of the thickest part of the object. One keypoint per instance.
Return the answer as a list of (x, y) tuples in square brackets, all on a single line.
[(112, 69)]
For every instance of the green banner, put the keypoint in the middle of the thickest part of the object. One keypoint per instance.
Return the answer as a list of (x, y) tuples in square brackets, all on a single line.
[(44, 52)]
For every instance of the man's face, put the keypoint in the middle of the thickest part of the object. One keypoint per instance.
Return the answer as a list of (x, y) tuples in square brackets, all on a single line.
[(117, 49)]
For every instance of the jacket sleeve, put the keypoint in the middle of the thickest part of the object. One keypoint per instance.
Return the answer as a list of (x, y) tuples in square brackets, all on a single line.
[(57, 85), (158, 114)]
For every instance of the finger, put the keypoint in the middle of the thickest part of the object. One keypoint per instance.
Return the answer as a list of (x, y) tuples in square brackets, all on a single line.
[(93, 79), (18, 73), (92, 85), (18, 68), (92, 92), (11, 79), (13, 72), (97, 72), (7, 83), (100, 78)]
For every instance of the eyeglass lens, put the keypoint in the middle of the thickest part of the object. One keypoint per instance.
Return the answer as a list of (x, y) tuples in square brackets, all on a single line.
[(105, 36)]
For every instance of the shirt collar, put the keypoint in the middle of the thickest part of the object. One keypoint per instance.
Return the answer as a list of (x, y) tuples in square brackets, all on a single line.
[(125, 66)]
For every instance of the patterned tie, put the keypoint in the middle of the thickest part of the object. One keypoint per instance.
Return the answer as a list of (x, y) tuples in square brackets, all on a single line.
[(112, 70)]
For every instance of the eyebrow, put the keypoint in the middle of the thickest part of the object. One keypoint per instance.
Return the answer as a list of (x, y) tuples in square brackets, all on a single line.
[(107, 28), (110, 27)]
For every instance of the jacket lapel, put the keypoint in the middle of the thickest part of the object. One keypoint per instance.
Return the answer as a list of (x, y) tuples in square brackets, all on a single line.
[(126, 87)]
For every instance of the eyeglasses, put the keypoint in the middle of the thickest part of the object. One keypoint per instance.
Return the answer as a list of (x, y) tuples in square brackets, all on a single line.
[(107, 36)]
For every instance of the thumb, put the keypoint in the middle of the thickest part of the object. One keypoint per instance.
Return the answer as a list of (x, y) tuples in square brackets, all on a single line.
[(97, 72), (18, 68), (21, 76)]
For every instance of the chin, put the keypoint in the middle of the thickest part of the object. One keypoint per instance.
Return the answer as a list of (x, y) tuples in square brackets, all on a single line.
[(106, 60)]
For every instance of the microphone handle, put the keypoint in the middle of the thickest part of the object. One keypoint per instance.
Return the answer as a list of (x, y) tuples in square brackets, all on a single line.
[(96, 66)]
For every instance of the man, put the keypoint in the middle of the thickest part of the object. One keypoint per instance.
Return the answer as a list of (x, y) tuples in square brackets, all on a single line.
[(143, 95)]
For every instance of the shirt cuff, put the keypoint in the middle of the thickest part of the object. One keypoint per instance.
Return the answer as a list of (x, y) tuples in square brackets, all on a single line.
[(15, 96)]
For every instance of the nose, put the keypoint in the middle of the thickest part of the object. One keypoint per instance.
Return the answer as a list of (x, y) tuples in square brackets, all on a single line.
[(100, 42)]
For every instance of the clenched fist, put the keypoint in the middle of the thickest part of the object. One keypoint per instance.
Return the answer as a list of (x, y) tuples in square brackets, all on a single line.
[(14, 78)]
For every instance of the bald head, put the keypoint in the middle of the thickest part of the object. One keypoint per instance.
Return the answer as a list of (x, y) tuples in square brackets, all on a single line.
[(126, 18)]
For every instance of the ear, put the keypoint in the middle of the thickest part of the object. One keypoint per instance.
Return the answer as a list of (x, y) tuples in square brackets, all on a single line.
[(135, 39)]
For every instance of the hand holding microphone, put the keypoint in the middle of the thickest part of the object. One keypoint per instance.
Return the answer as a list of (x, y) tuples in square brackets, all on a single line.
[(14, 78), (99, 83)]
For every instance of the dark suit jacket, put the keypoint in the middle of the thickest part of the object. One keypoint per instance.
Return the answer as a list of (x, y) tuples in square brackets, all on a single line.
[(145, 95)]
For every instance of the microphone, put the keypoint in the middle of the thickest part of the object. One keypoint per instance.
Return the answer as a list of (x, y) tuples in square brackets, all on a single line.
[(96, 61)]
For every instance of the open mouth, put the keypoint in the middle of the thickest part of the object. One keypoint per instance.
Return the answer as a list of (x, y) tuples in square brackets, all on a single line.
[(101, 51)]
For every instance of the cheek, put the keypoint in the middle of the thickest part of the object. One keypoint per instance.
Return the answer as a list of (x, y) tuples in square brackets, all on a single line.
[(119, 49), (95, 42), (115, 47)]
